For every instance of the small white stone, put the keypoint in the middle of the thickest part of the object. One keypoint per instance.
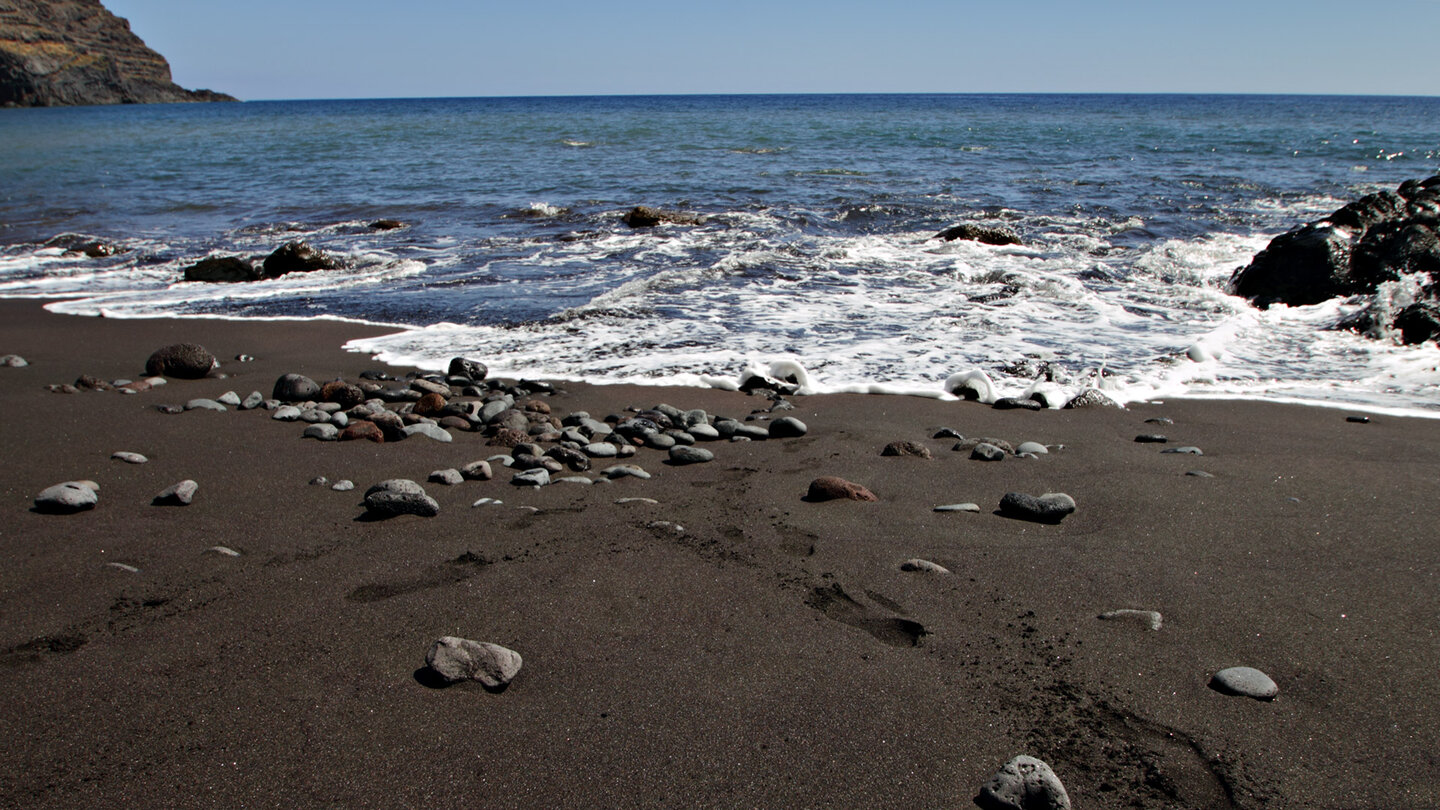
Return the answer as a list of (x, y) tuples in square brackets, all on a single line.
[(460, 659)]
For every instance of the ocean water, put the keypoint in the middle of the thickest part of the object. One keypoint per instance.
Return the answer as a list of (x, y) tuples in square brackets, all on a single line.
[(816, 250)]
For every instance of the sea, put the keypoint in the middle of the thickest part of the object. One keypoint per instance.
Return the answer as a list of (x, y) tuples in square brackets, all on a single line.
[(815, 257)]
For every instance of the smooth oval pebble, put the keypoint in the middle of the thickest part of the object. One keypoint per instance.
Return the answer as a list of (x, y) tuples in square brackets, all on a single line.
[(1051, 507), (787, 427), (923, 566), (1245, 682), (687, 454), (460, 659), (128, 457), (958, 507), (1032, 447), (343, 485), (449, 477), (1024, 783)]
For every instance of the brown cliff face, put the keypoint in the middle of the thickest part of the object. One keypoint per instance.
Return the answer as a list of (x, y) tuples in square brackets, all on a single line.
[(66, 52)]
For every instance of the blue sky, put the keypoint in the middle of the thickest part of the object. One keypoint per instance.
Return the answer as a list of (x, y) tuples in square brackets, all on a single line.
[(269, 49)]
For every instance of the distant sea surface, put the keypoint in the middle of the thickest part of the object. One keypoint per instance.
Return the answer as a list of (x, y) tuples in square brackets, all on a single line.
[(816, 248)]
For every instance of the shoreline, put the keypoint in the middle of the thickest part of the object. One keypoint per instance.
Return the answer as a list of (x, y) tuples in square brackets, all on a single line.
[(729, 643)]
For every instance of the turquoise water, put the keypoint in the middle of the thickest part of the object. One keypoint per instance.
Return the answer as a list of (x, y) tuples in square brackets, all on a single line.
[(1133, 209)]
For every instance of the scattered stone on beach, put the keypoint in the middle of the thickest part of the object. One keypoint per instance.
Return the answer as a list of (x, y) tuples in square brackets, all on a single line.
[(665, 527), (1151, 438), (202, 404), (787, 427), (958, 507), (229, 399), (636, 500), (685, 454), (487, 502), (448, 477), (1052, 507), (295, 388), (985, 451), (187, 361), (535, 477), (624, 471), (1159, 420), (361, 429), (298, 257), (400, 496), (169, 409), (12, 361), (1148, 618), (1024, 783), (460, 659), (948, 433), (224, 551), (600, 450), (477, 471), (323, 431), (1183, 451), (1092, 398), (287, 413), (425, 386), (222, 270), (923, 566), (975, 441), (253, 401), (1359, 420), (831, 488), (68, 498), (343, 485), (85, 382), (1244, 682), (319, 481), (128, 457), (906, 448), (1199, 474), (179, 494), (344, 394), (119, 566), (429, 431), (1032, 448)]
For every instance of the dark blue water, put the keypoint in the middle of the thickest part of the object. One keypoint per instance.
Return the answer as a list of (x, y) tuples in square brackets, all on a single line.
[(819, 207)]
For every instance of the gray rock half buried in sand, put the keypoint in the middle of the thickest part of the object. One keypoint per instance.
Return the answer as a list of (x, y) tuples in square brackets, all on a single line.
[(460, 659), (1244, 682), (67, 498), (1051, 507), (1024, 783)]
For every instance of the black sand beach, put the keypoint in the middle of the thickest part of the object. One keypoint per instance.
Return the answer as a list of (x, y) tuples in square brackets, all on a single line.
[(731, 644)]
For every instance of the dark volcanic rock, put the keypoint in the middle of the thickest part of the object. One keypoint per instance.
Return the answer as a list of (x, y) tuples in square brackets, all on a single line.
[(386, 225), (979, 233), (906, 448), (66, 52), (298, 257), (344, 394), (643, 216), (222, 269), (186, 361), (1384, 237), (473, 370), (295, 388)]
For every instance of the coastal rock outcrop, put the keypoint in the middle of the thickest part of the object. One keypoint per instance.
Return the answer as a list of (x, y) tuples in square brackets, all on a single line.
[(970, 232), (1385, 245), (56, 53), (643, 216)]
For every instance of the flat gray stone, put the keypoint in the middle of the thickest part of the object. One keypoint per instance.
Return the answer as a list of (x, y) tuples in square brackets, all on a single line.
[(601, 450), (12, 361), (128, 457), (958, 507), (314, 416), (987, 452), (923, 566), (623, 470), (343, 485), (1183, 451), (253, 401), (286, 413), (429, 431), (323, 432), (1199, 474), (1024, 783), (68, 498), (389, 503), (537, 477), (449, 477), (1149, 618), (685, 454), (703, 432), (204, 405), (1051, 507), (229, 398), (1245, 682), (1032, 447), (180, 494), (460, 659)]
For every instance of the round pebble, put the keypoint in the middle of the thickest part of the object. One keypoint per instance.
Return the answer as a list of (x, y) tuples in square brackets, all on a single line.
[(1051, 507), (686, 454), (1245, 682)]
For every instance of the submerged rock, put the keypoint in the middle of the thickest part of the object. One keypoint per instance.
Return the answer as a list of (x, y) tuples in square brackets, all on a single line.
[(971, 232)]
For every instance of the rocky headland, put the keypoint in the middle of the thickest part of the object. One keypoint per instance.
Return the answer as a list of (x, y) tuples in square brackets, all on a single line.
[(74, 52)]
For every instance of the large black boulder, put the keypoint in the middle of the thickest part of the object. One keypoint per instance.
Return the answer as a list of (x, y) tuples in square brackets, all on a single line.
[(643, 216), (222, 269), (185, 361), (971, 232), (298, 257)]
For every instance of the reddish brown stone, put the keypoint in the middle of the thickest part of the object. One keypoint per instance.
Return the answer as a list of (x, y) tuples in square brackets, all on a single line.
[(454, 423), (536, 406), (342, 393), (89, 383), (914, 449), (830, 488), (361, 429), (430, 404)]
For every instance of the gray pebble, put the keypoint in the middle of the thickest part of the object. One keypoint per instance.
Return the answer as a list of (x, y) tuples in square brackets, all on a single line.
[(319, 481), (224, 551), (1199, 474), (429, 431), (660, 441), (601, 450), (987, 452), (1024, 783), (684, 454), (128, 457), (180, 494), (229, 398), (250, 403), (449, 477), (958, 507), (343, 485), (1245, 682), (314, 416), (1159, 420), (13, 361), (636, 500), (1051, 507), (538, 477), (487, 502), (750, 432), (129, 569), (923, 566), (573, 479), (1149, 618), (400, 496), (477, 471), (704, 433), (68, 498), (1185, 451), (286, 413), (623, 470), (204, 405), (787, 427), (460, 659), (1032, 447), (323, 432), (948, 433)]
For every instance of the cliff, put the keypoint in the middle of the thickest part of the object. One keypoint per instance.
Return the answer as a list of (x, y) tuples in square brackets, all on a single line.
[(67, 52)]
